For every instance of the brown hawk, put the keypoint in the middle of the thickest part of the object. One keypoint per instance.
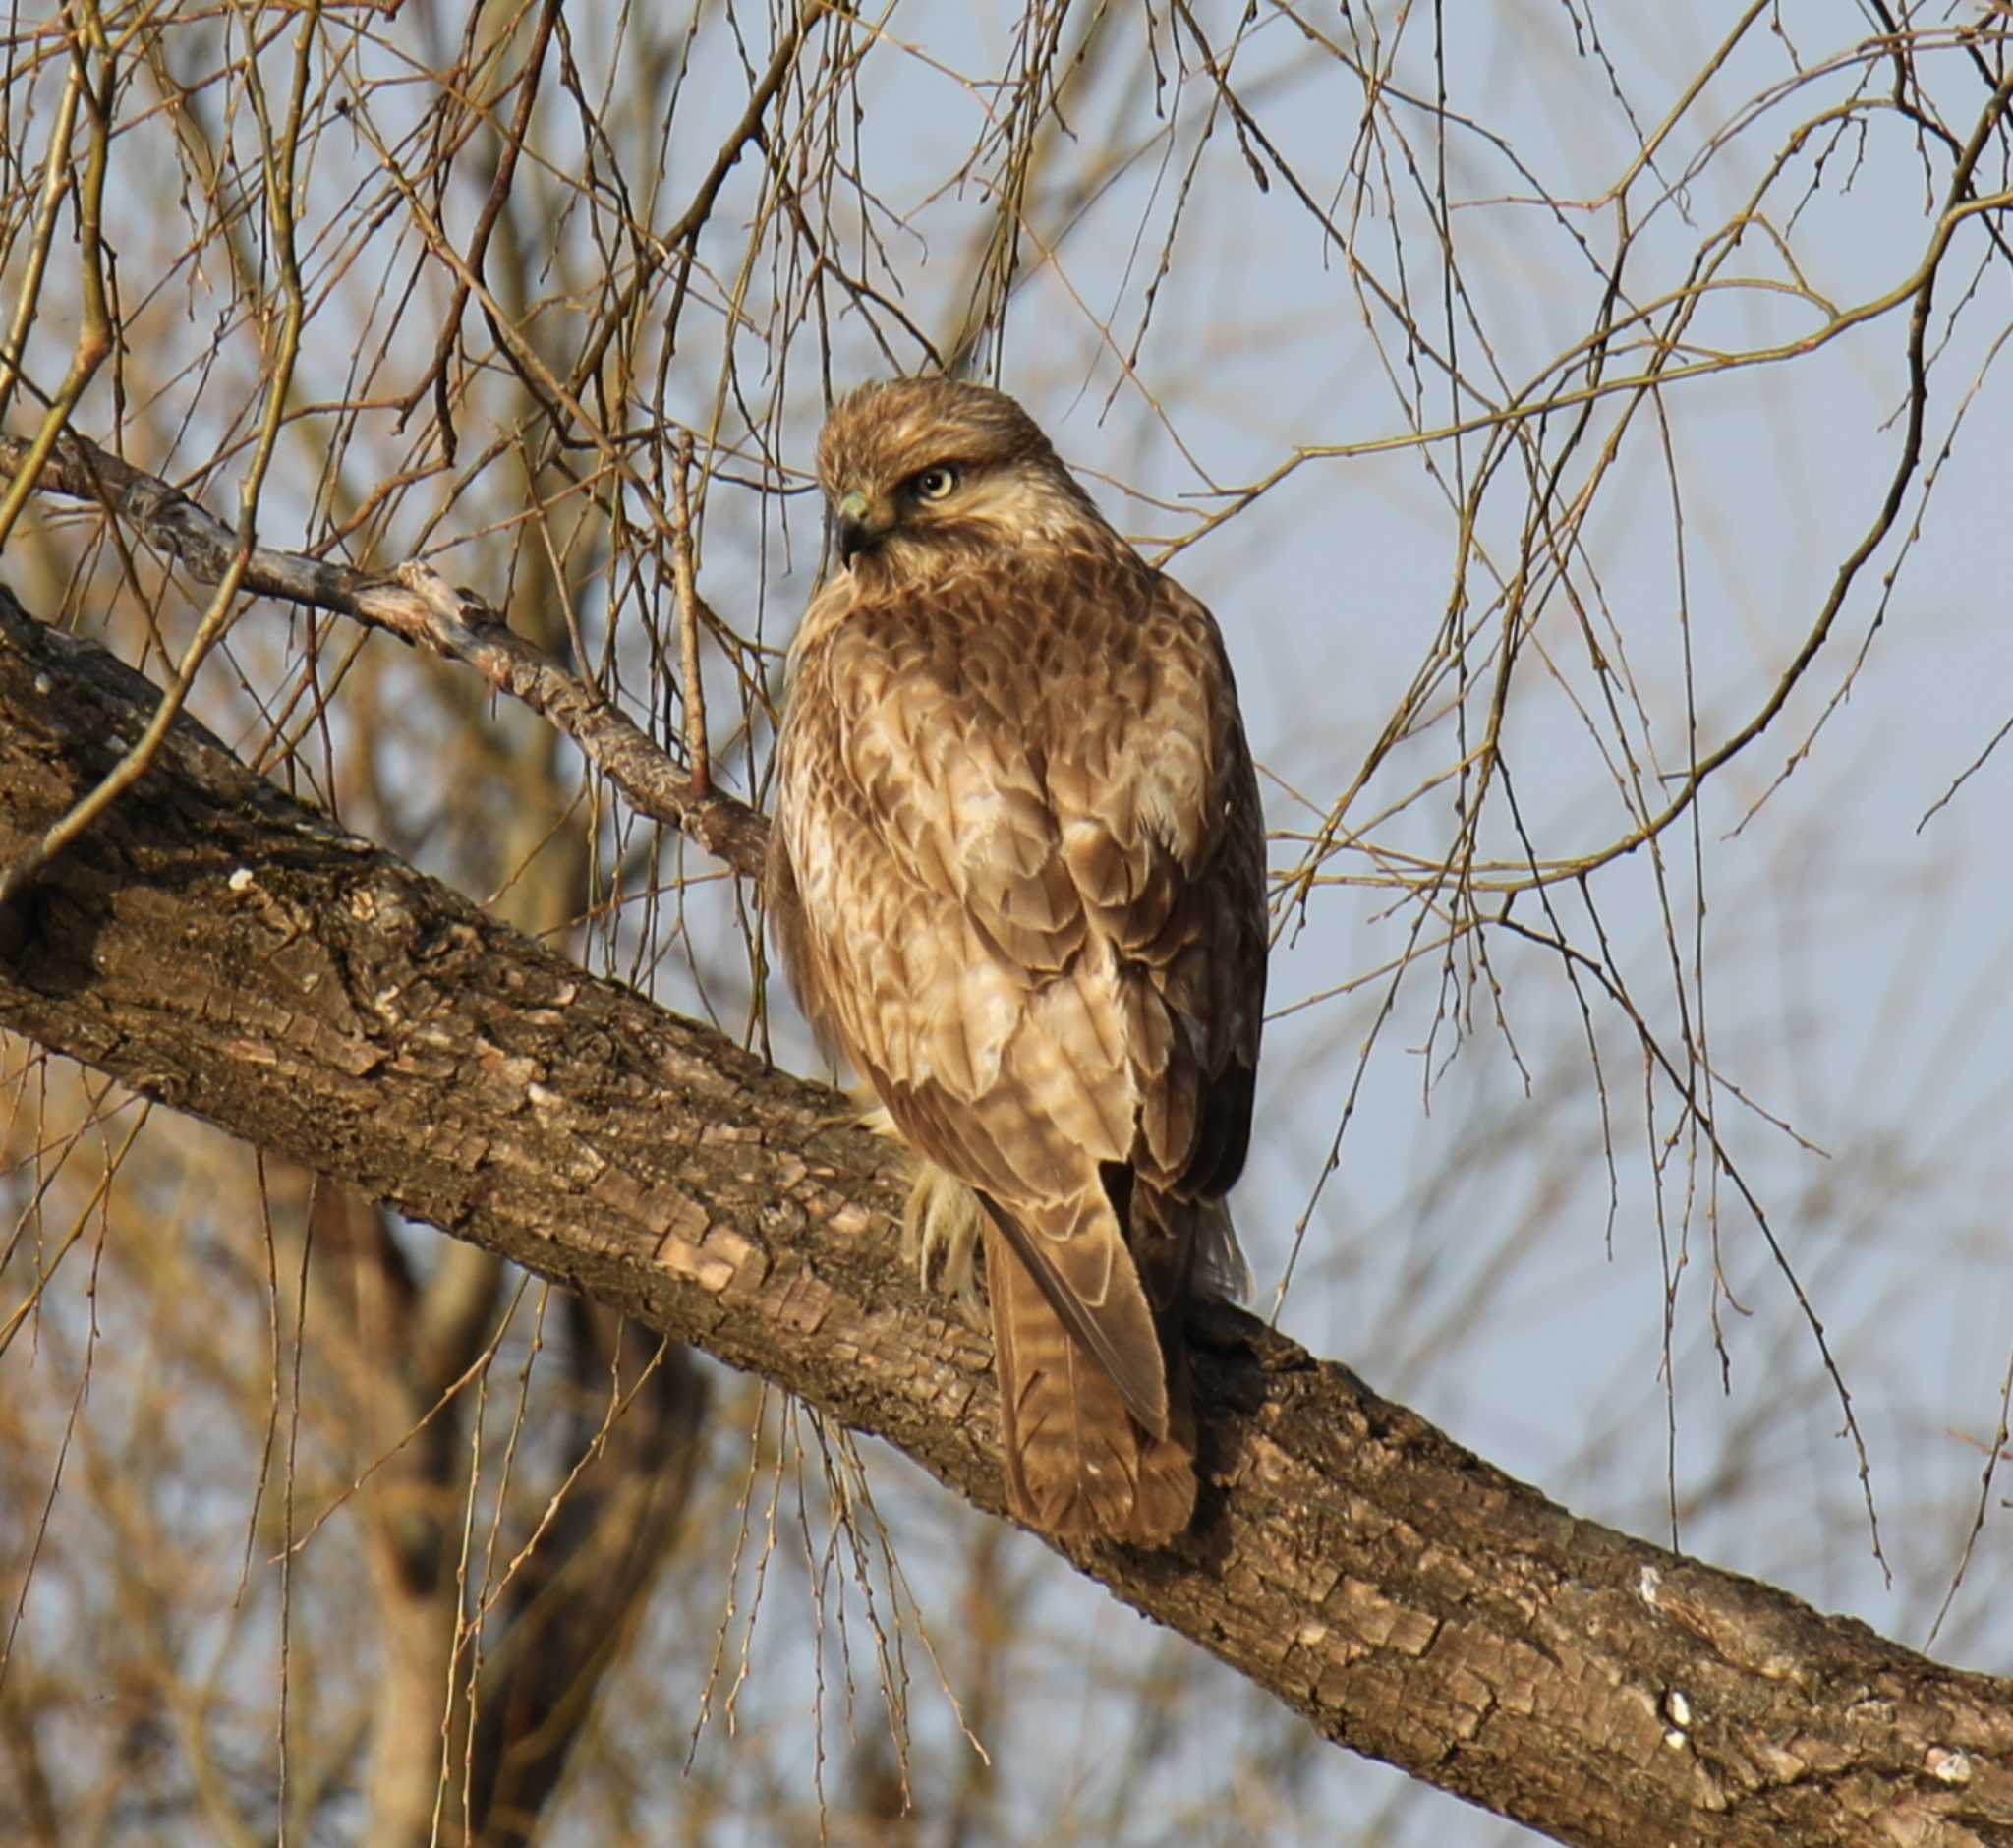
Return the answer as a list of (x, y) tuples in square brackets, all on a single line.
[(1017, 876)]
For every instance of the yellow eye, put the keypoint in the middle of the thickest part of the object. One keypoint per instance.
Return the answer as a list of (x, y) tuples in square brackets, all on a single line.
[(933, 484)]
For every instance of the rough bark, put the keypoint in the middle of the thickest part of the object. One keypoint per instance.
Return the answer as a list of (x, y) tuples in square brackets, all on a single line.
[(217, 945)]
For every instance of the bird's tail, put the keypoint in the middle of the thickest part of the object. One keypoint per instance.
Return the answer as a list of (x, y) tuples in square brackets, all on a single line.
[(1081, 1463)]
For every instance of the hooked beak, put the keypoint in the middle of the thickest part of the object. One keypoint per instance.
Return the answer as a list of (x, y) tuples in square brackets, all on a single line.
[(862, 525)]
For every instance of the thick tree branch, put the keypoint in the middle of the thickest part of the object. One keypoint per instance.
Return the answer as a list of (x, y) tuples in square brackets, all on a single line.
[(217, 945)]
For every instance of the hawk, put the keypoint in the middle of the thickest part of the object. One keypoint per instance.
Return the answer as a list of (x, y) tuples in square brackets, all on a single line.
[(1017, 876)]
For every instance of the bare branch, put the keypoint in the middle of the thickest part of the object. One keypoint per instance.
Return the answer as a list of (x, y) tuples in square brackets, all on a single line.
[(420, 608)]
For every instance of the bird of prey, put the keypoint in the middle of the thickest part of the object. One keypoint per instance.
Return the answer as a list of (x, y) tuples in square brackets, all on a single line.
[(1017, 878)]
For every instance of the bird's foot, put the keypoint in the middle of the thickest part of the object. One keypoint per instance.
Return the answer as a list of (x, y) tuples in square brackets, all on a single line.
[(940, 1237)]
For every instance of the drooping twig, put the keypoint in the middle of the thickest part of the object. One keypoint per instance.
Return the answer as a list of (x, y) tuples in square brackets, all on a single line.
[(435, 378), (418, 604), (686, 576)]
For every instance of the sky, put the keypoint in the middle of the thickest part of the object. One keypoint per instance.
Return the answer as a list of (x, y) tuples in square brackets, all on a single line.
[(1518, 1238)]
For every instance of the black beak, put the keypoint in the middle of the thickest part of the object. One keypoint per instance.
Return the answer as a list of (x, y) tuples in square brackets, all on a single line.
[(860, 524), (854, 537)]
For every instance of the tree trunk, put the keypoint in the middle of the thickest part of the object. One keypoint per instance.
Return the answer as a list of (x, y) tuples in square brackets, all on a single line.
[(217, 945)]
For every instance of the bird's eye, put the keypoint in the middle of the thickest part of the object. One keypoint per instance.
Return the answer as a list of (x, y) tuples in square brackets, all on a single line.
[(933, 484)]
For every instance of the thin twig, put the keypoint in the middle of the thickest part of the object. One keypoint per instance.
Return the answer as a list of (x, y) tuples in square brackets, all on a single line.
[(95, 324), (685, 577), (435, 378)]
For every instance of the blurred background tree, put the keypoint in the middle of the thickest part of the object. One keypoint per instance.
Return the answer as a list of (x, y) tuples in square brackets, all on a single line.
[(1576, 422)]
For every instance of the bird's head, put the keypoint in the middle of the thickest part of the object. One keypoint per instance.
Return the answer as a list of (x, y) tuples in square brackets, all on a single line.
[(920, 474)]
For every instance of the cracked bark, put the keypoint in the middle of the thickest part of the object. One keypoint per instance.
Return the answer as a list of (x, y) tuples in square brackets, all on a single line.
[(221, 947)]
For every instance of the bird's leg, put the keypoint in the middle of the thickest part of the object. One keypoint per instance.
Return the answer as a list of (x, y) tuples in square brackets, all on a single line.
[(940, 1235), (940, 1226)]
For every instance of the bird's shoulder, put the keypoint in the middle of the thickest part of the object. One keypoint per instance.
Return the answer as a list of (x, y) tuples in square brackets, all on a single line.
[(1017, 630)]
